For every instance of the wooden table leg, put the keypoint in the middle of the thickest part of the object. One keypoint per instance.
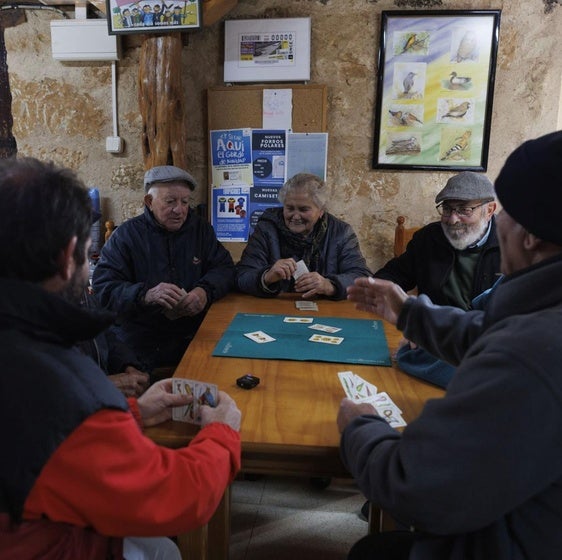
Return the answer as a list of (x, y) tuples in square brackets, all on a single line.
[(219, 530), (194, 544), (212, 541)]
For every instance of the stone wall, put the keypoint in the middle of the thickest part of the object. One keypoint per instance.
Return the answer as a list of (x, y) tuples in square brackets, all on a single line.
[(63, 111)]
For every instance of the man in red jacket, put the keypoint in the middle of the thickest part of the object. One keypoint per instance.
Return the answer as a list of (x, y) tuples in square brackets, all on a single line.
[(77, 474)]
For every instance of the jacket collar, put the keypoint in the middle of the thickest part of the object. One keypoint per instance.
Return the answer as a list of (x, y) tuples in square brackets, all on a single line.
[(28, 308)]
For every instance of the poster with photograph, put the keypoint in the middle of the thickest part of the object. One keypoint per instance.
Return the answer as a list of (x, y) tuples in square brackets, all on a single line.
[(229, 213)]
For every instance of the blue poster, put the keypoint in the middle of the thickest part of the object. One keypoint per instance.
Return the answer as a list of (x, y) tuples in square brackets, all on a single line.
[(231, 157), (260, 199), (268, 157), (229, 213)]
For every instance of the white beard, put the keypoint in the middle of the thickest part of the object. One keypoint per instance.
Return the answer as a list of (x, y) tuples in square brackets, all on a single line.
[(462, 235)]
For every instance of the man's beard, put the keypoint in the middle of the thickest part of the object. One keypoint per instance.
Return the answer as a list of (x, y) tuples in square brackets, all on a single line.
[(74, 290), (461, 235)]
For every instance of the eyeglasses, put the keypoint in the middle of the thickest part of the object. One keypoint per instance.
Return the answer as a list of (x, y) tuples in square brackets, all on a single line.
[(446, 210)]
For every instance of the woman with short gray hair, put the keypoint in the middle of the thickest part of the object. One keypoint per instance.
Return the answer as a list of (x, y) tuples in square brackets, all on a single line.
[(300, 247)]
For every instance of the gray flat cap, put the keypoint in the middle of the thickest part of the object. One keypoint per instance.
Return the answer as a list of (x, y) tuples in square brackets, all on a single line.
[(467, 186), (167, 174)]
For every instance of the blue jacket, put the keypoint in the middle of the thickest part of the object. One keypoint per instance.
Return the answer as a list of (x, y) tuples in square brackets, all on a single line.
[(341, 259), (138, 256)]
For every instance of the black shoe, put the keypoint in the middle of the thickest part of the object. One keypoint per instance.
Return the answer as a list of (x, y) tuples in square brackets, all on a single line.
[(320, 482), (364, 511)]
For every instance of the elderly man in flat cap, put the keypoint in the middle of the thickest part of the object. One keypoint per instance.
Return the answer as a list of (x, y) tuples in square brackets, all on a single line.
[(161, 271), (452, 262), (456, 259), (479, 473)]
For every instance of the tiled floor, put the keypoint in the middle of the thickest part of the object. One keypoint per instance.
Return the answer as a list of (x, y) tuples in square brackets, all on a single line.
[(289, 519)]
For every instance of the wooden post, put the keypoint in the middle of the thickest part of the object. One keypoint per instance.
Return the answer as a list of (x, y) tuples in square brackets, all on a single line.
[(161, 101), (8, 145)]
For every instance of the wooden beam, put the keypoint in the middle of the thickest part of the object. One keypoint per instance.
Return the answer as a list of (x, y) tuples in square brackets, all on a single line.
[(214, 10)]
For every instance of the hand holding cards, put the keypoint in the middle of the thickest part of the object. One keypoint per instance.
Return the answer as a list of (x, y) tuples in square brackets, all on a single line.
[(359, 390), (202, 393)]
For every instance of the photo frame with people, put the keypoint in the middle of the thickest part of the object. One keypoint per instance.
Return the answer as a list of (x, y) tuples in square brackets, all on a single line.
[(153, 16)]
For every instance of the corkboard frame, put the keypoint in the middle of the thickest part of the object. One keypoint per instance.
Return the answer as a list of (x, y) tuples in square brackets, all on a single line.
[(242, 107)]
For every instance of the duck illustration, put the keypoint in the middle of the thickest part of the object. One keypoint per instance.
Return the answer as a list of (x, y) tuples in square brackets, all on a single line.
[(456, 80)]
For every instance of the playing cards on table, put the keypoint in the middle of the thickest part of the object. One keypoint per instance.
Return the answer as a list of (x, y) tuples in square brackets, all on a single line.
[(202, 393)]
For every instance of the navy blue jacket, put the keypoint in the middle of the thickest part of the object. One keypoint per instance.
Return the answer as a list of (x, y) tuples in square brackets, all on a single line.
[(139, 255)]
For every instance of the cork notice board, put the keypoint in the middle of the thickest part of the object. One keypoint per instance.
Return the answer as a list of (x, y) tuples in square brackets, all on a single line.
[(241, 107)]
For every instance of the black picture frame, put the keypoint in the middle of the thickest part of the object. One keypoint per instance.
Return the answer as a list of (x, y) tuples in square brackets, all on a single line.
[(435, 89), (153, 16)]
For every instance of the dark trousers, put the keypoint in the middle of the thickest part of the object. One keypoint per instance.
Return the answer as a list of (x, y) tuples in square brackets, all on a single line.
[(391, 545)]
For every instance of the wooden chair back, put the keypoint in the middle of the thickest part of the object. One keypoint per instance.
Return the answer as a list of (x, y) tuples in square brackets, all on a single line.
[(402, 236)]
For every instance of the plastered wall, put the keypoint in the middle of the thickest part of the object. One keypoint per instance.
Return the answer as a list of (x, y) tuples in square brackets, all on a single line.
[(63, 111)]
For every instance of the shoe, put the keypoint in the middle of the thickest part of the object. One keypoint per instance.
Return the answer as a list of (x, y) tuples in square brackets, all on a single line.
[(320, 482), (364, 515)]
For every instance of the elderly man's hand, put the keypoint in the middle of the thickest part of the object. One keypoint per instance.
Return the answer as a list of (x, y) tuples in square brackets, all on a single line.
[(164, 294), (156, 404), (225, 412), (381, 297), (350, 410), (132, 382), (193, 303)]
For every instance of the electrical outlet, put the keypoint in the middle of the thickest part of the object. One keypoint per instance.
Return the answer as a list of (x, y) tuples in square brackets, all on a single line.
[(114, 144)]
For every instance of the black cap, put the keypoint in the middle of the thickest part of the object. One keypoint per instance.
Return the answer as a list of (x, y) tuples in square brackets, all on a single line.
[(529, 186)]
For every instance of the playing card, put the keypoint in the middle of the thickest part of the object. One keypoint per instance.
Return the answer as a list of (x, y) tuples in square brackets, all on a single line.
[(298, 320), (355, 387), (325, 339), (259, 336), (391, 413), (202, 393), (305, 305), (324, 328), (347, 381), (301, 269)]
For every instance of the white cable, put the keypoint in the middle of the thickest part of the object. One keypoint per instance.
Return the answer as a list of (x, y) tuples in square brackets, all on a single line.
[(114, 97)]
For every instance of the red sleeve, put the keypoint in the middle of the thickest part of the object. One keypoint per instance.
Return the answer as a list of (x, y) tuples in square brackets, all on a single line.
[(109, 476)]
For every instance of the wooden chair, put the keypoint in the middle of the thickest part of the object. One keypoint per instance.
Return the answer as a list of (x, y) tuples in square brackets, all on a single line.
[(402, 236)]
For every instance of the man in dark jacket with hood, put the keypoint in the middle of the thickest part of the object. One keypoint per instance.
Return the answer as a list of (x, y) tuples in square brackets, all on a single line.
[(161, 271)]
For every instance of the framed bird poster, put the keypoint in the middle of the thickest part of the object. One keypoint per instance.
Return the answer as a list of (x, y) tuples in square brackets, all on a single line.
[(435, 89), (153, 16)]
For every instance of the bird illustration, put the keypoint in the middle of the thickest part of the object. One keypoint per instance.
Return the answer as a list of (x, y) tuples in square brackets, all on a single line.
[(408, 82), (458, 111), (409, 119), (459, 146), (396, 117), (456, 80), (402, 118), (410, 42), (406, 145), (467, 47)]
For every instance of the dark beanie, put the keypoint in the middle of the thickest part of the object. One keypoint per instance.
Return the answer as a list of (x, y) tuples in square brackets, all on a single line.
[(529, 186)]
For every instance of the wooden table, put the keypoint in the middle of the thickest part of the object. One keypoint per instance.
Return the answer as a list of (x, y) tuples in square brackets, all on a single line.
[(289, 419)]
